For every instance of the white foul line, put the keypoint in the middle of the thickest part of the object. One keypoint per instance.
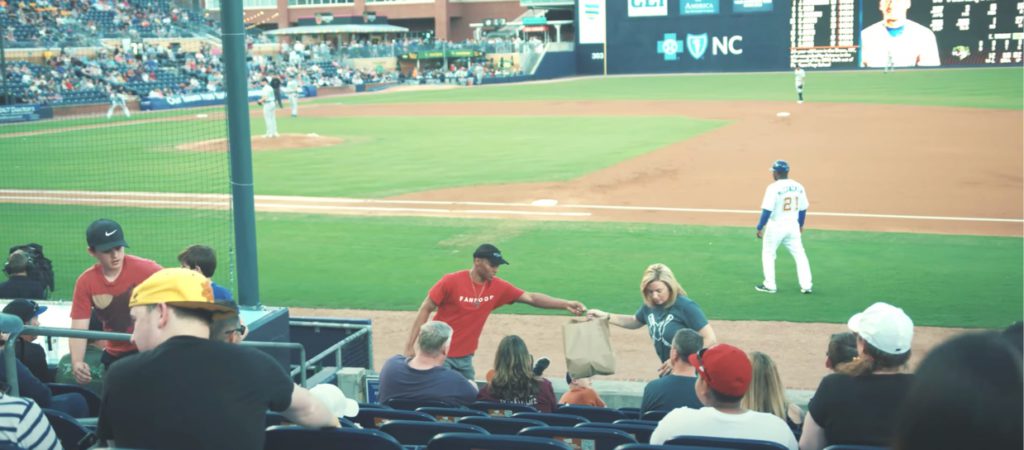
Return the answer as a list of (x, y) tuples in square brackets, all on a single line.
[(281, 202)]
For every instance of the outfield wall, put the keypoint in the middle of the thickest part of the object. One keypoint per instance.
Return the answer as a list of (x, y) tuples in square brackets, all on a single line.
[(672, 36)]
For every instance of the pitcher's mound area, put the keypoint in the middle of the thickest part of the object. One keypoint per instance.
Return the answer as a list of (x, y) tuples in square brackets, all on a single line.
[(262, 144)]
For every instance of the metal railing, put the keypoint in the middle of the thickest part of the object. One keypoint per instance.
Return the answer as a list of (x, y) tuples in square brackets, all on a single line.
[(14, 326), (336, 349)]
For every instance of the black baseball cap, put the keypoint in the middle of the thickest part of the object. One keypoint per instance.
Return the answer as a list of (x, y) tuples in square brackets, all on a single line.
[(25, 309), (105, 234), (490, 253)]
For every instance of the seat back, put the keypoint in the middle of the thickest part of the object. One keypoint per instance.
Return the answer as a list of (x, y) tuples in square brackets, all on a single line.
[(72, 435), (375, 417), (728, 443), (553, 419), (592, 413), (412, 405), (853, 447), (467, 441), (655, 415), (412, 432), (449, 414), (292, 437), (501, 425), (642, 433), (631, 413), (501, 409), (91, 398), (580, 438), (638, 422)]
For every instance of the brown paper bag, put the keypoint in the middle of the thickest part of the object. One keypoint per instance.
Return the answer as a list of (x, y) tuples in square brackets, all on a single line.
[(588, 348)]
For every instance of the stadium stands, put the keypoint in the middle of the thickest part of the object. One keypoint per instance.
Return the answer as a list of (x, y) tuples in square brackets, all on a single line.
[(642, 433), (595, 438), (294, 437), (449, 414), (705, 442), (410, 432), (468, 441), (553, 419), (501, 425)]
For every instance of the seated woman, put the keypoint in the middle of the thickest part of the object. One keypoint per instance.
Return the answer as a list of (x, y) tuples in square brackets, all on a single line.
[(766, 393), (514, 381)]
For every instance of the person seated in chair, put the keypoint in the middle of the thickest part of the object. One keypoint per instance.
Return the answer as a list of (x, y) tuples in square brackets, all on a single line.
[(675, 389), (723, 376), (28, 352), (424, 376), (18, 284)]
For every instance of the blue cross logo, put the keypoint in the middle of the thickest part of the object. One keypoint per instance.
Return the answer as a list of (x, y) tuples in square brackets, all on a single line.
[(670, 47)]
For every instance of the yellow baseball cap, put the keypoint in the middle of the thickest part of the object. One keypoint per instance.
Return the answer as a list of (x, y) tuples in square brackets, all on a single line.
[(179, 287)]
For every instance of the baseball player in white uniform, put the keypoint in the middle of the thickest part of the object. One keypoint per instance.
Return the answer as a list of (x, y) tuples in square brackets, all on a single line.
[(269, 108), (896, 41), (798, 76), (293, 89), (117, 100), (783, 211)]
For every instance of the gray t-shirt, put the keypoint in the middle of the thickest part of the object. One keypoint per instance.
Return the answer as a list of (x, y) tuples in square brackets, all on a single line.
[(398, 380), (670, 392), (663, 323)]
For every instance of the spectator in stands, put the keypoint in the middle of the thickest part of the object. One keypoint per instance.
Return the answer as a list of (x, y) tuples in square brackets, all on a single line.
[(424, 377), (665, 310), (676, 388), (30, 387), (767, 394), (723, 375), (580, 393), (93, 357), (842, 349), (858, 406), (18, 284), (28, 352), (228, 329), (514, 381), (105, 288), (211, 395), (23, 425), (203, 259), (481, 287), (967, 394)]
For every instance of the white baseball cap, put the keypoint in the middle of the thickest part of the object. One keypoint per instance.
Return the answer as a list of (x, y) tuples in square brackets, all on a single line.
[(335, 400), (885, 327)]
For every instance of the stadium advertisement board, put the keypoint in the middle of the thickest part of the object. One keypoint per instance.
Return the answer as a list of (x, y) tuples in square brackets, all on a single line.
[(25, 113), (654, 36), (200, 99)]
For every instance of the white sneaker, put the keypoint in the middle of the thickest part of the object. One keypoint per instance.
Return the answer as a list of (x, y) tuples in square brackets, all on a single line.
[(761, 288)]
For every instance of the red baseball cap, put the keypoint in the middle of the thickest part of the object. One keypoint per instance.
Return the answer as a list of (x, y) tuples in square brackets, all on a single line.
[(726, 369)]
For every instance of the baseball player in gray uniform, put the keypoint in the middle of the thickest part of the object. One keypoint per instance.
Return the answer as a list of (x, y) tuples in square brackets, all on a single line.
[(783, 212), (798, 76)]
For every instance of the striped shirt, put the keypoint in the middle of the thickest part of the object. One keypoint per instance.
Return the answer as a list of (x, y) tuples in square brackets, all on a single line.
[(23, 424)]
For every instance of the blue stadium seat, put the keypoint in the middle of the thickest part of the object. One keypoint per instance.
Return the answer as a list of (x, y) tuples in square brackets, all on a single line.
[(705, 442), (652, 423), (642, 433), (655, 415), (412, 405), (553, 419), (72, 435), (853, 447), (501, 409), (501, 425), (631, 413), (468, 441), (589, 438), (411, 432), (294, 437), (449, 414), (592, 413), (375, 417)]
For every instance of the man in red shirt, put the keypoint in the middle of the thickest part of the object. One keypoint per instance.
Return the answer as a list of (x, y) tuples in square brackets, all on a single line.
[(106, 287), (465, 299)]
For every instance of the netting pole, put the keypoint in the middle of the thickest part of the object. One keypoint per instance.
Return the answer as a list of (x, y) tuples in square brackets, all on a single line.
[(236, 82)]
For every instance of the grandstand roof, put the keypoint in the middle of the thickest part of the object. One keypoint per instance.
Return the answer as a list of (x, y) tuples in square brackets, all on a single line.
[(339, 29)]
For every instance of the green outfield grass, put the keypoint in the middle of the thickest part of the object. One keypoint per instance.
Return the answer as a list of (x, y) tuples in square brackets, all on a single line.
[(390, 263), (382, 156), (1001, 88)]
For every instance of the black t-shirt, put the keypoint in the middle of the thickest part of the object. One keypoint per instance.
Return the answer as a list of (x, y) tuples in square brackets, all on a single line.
[(22, 287), (34, 357), (859, 410), (192, 393), (670, 392)]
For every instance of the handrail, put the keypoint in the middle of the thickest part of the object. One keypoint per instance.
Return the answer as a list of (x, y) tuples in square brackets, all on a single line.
[(336, 348), (11, 371)]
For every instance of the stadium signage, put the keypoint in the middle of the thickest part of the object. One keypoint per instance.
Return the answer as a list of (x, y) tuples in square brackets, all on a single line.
[(190, 100), (696, 45), (648, 8), (698, 7), (25, 113)]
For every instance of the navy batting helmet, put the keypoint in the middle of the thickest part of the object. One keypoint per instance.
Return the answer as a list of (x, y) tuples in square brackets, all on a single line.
[(780, 166)]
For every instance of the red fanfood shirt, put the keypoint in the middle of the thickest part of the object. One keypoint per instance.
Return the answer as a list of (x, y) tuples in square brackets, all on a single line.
[(466, 305), (110, 298)]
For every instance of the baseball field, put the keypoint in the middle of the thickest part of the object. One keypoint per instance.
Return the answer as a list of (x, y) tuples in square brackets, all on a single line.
[(914, 179)]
